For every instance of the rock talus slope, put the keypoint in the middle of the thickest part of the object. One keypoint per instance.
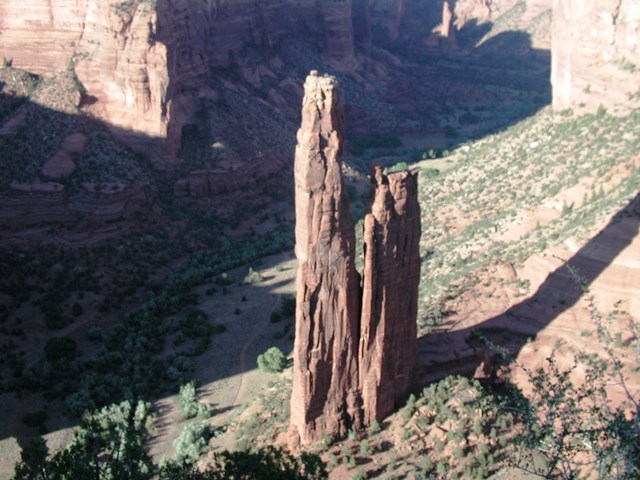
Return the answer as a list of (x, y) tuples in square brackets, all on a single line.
[(388, 350), (324, 398)]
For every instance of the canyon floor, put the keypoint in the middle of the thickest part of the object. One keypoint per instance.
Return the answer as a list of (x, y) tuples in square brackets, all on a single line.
[(495, 248), (510, 192)]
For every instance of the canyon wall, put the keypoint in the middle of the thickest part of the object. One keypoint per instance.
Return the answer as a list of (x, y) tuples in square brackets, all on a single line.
[(355, 351), (146, 64), (595, 53), (40, 35)]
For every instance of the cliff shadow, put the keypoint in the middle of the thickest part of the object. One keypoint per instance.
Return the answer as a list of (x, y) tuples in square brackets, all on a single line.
[(445, 95), (106, 296), (460, 351)]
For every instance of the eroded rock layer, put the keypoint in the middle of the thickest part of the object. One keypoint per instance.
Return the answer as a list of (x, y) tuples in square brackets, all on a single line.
[(388, 349), (325, 396)]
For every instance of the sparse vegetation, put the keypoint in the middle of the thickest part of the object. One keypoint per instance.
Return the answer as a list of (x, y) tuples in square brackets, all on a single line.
[(272, 361)]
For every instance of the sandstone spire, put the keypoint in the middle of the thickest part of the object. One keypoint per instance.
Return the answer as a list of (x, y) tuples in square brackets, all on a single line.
[(349, 366), (325, 396), (388, 348)]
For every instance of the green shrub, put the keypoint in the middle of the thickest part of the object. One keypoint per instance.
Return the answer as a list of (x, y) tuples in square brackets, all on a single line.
[(76, 309), (272, 361), (398, 167), (188, 400), (253, 277), (429, 173), (192, 442)]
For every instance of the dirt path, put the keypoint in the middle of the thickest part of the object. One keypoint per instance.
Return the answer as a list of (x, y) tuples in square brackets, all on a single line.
[(243, 356)]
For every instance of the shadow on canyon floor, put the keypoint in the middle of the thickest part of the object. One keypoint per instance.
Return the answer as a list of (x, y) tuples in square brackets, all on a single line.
[(558, 293), (446, 96)]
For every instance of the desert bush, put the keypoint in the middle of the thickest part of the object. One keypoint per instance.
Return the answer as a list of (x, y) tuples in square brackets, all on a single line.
[(192, 442), (429, 173), (76, 309), (109, 445), (253, 277), (398, 167), (264, 463), (272, 361), (188, 400)]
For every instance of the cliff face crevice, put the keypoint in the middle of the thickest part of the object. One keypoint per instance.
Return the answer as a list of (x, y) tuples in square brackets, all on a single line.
[(353, 355)]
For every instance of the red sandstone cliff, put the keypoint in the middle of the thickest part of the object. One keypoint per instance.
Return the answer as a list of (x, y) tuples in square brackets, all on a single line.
[(388, 348), (595, 53), (324, 398), (145, 65)]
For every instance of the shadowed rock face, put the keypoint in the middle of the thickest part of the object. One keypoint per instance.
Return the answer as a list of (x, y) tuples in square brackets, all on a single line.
[(388, 352), (339, 360), (324, 398)]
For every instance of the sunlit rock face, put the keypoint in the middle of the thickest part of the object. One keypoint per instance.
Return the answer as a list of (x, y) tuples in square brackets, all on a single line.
[(355, 350), (388, 350), (325, 398), (144, 64), (595, 53)]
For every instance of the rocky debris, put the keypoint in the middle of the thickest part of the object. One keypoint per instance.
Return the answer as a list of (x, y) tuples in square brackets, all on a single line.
[(388, 349), (595, 53), (325, 396), (62, 163), (339, 358)]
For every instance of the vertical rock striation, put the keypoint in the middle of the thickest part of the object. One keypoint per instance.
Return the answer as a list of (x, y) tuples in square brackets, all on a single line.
[(388, 349), (324, 398), (342, 358)]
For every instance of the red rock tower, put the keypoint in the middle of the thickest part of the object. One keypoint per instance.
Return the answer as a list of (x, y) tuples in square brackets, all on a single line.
[(355, 351), (388, 332), (325, 397)]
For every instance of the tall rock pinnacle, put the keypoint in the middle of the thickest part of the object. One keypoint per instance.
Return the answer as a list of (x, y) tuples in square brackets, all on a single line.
[(354, 354), (325, 397), (388, 348)]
